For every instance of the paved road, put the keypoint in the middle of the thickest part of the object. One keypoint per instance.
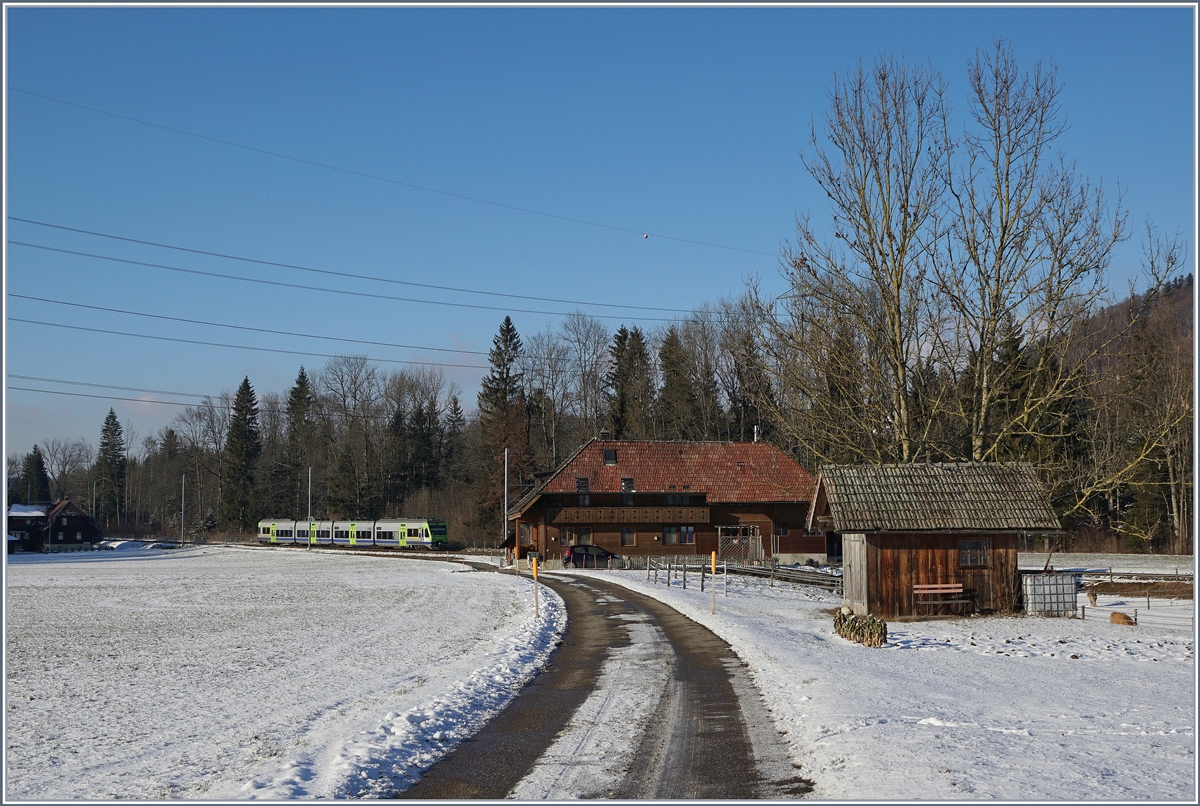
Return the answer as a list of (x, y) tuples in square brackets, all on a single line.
[(709, 736)]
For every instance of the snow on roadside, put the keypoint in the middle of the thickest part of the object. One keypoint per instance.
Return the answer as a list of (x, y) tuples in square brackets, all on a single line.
[(1007, 707), (218, 672)]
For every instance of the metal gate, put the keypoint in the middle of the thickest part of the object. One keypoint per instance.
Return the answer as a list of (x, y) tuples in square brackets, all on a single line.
[(739, 544)]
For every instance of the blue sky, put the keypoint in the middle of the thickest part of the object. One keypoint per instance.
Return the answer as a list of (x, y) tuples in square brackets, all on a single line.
[(683, 123)]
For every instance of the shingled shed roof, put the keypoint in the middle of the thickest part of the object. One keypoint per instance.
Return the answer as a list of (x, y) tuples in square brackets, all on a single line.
[(727, 472), (934, 497)]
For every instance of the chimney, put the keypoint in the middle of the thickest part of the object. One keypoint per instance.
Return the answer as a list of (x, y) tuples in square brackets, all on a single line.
[(605, 434)]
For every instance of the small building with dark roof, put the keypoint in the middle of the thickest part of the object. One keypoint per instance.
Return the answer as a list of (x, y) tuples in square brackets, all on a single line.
[(667, 498), (61, 526), (930, 524)]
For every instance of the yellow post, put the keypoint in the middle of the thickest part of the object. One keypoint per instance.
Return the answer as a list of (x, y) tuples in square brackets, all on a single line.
[(714, 583), (535, 590)]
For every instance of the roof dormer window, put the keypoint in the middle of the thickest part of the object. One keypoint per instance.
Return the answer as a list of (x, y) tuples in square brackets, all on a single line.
[(610, 456), (581, 484), (627, 486)]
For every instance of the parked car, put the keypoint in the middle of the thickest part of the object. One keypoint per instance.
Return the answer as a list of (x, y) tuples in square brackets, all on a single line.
[(590, 557)]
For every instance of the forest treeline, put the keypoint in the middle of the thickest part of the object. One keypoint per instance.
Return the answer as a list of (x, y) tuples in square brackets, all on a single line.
[(957, 310)]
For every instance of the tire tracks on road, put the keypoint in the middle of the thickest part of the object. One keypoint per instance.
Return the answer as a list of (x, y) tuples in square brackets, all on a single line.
[(709, 736)]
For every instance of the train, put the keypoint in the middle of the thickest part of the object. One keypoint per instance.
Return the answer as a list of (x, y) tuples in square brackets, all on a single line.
[(404, 533)]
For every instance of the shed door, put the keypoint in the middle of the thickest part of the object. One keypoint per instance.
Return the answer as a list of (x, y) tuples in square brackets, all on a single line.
[(854, 572)]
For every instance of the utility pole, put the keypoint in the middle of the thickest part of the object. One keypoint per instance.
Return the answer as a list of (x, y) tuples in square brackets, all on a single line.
[(504, 518), (310, 493), (182, 507)]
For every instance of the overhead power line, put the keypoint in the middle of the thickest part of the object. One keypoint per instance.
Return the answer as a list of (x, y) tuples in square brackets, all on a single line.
[(280, 284), (244, 327), (237, 346), (104, 386), (212, 401), (349, 275), (100, 397), (390, 181)]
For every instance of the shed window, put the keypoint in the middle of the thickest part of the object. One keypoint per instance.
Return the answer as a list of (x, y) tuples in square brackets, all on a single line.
[(610, 456), (781, 529), (973, 553)]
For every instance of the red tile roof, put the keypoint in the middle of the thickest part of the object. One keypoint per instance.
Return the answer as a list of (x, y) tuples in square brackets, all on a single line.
[(765, 474)]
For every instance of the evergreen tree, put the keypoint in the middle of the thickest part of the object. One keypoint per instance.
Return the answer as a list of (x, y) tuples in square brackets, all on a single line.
[(631, 403), (677, 411), (503, 419), (293, 473), (454, 442), (110, 469), (35, 481), (242, 446)]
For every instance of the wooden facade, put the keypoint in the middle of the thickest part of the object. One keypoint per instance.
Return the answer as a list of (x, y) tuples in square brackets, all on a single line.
[(903, 526), (665, 499), (880, 571)]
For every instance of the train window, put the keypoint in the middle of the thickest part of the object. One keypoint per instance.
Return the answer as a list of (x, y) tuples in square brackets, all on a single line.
[(387, 535), (323, 533), (266, 530), (284, 533), (414, 532)]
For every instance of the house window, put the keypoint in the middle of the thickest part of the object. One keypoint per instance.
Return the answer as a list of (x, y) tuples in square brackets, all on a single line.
[(627, 486), (585, 501), (626, 499), (678, 500), (628, 536), (579, 535), (523, 533), (670, 535), (687, 535), (610, 456), (581, 484), (973, 553)]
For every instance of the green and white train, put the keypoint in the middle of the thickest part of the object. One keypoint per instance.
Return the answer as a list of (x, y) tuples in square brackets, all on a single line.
[(404, 533)]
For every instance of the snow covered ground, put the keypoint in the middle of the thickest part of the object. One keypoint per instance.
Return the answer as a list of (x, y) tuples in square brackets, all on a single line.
[(233, 673), (999, 708), (222, 673), (1128, 563)]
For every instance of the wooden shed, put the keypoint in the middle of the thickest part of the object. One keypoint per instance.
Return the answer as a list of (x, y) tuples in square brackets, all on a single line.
[(928, 539)]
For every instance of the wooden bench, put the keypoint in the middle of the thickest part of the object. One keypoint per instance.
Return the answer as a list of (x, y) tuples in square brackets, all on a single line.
[(938, 595)]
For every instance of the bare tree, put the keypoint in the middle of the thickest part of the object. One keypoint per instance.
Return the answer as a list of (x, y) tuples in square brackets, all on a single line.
[(864, 292), (544, 364), (587, 341), (1025, 255)]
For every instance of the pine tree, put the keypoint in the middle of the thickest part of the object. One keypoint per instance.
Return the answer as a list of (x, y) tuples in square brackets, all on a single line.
[(677, 408), (35, 481), (300, 438), (631, 405), (242, 446), (503, 420), (453, 441), (110, 469)]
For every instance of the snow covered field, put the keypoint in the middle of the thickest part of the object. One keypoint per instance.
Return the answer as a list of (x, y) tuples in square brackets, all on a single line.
[(1127, 563), (997, 708), (222, 673), (232, 673)]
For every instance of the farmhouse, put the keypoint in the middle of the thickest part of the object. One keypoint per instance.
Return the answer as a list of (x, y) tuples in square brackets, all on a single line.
[(926, 539), (670, 498), (61, 526)]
